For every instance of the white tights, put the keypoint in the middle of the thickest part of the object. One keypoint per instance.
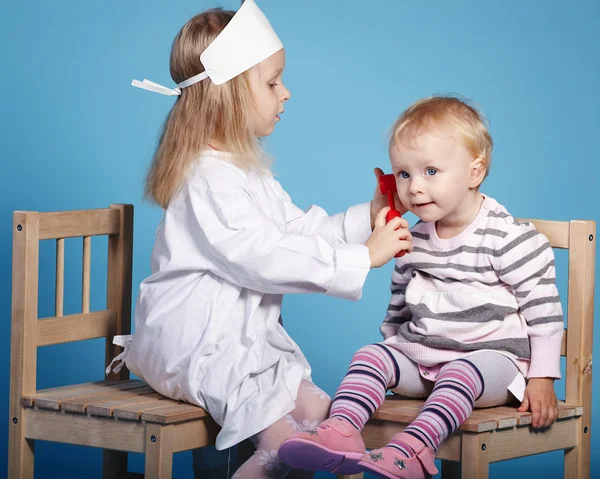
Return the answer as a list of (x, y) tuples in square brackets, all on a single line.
[(312, 407)]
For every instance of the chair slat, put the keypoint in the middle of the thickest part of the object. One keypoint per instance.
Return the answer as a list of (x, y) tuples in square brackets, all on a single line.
[(79, 405), (502, 420), (522, 418), (106, 408), (53, 400), (569, 410), (173, 414), (133, 412), (404, 411), (75, 327), (27, 401), (60, 278), (557, 232), (70, 224), (86, 273)]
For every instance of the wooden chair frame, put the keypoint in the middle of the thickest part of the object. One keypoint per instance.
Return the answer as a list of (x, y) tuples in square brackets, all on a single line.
[(87, 414), (499, 434)]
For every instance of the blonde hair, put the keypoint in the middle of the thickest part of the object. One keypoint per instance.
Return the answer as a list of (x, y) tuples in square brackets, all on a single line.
[(460, 115), (202, 113)]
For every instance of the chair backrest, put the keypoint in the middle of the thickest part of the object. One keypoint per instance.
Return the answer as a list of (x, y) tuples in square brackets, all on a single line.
[(28, 331), (579, 237)]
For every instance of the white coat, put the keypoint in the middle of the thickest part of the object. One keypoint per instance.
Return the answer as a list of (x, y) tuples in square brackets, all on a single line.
[(206, 321)]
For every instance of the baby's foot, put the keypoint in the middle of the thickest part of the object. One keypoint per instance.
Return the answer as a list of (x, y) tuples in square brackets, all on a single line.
[(335, 445), (405, 457)]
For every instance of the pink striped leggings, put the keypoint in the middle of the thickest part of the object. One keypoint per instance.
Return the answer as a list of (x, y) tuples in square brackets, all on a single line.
[(480, 380)]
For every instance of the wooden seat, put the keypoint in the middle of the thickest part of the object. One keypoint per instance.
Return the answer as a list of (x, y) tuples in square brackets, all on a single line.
[(118, 415), (405, 411), (131, 400), (502, 433)]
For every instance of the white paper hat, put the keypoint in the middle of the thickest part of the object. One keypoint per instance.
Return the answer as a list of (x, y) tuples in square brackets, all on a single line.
[(247, 40)]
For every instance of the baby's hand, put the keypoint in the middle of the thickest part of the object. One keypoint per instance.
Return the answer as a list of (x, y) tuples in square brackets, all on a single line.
[(388, 239), (380, 200), (540, 398)]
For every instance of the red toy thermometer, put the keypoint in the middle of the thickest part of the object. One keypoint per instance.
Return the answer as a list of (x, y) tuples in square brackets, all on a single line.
[(387, 185)]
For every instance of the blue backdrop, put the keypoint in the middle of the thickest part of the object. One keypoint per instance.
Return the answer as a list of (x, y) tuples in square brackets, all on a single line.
[(75, 135)]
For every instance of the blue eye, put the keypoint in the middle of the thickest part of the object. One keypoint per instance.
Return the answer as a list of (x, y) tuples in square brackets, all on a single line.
[(431, 171), (403, 175)]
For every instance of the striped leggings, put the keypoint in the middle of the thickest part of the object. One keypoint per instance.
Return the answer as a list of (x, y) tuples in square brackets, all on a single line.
[(481, 380)]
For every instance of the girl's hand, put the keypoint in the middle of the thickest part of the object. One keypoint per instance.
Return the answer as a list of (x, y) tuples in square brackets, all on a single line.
[(388, 239), (540, 398), (380, 201)]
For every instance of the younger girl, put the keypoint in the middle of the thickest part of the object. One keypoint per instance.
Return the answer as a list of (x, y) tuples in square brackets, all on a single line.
[(207, 327), (474, 307)]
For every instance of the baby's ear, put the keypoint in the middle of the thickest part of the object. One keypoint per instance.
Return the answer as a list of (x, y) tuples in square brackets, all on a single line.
[(477, 172)]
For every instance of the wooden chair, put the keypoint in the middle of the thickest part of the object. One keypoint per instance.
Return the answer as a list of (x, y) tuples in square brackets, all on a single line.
[(501, 433), (119, 415)]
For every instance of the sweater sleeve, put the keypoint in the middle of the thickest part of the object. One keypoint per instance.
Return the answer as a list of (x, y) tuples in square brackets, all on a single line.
[(525, 262)]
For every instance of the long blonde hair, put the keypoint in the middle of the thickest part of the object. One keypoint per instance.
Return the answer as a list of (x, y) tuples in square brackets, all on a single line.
[(202, 113)]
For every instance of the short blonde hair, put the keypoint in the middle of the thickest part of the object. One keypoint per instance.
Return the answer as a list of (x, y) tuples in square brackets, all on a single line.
[(202, 113), (461, 116)]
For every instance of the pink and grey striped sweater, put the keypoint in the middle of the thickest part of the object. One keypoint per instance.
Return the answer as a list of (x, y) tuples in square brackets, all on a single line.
[(491, 287)]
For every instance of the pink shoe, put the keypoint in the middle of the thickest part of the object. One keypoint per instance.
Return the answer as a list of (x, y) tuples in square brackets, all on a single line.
[(388, 462), (335, 446)]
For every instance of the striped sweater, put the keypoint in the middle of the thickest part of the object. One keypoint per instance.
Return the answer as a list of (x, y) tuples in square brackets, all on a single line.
[(491, 287)]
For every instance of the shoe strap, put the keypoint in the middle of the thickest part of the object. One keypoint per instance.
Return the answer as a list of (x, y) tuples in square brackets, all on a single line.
[(343, 427), (423, 453)]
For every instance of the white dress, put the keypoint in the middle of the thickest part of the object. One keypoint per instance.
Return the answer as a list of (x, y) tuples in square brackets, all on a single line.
[(206, 320)]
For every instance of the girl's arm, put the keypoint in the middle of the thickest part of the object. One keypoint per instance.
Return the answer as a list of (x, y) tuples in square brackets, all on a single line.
[(352, 226), (525, 261), (248, 249)]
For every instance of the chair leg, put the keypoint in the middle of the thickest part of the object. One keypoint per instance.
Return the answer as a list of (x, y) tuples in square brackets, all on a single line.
[(159, 452), (577, 459), (114, 464), (571, 467), (475, 458), (451, 470), (20, 452)]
